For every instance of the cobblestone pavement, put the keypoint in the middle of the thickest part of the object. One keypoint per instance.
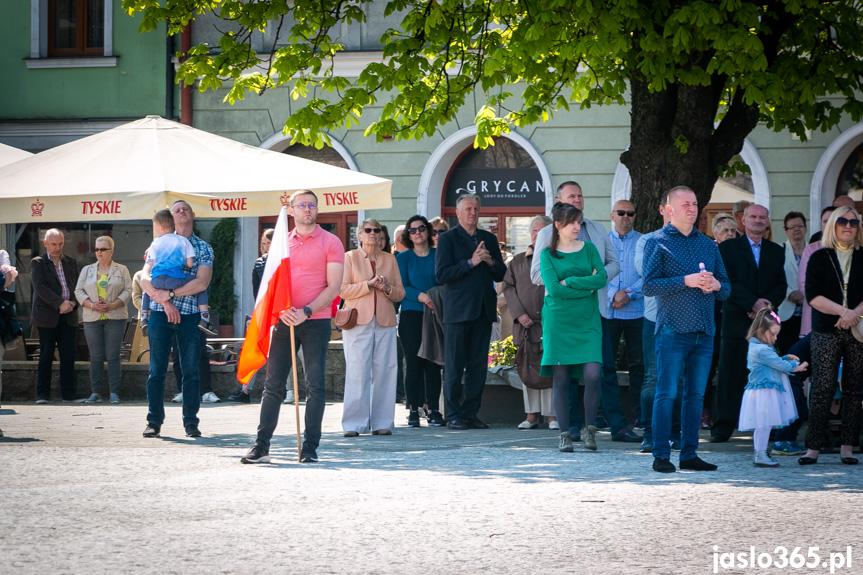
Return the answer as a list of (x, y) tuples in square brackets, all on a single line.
[(83, 492)]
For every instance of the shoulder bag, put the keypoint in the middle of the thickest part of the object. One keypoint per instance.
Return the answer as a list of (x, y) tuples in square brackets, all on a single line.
[(528, 358)]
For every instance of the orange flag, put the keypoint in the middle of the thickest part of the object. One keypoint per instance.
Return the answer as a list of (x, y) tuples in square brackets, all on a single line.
[(274, 296)]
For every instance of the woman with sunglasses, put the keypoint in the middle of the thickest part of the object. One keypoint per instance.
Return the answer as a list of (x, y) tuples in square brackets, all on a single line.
[(439, 226), (371, 285), (417, 268), (834, 289), (104, 290)]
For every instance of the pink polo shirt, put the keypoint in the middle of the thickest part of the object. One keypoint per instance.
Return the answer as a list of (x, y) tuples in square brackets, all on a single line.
[(309, 258)]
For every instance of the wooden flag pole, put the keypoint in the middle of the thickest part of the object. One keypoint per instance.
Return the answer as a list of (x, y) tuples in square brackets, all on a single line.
[(296, 394)]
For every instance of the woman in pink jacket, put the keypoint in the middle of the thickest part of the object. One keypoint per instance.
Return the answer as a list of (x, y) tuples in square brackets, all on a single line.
[(371, 285)]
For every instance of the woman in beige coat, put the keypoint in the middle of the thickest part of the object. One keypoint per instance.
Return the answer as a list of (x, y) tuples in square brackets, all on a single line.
[(104, 290), (371, 285)]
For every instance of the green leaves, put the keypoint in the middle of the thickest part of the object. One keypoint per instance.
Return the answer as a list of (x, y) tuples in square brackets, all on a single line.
[(799, 62)]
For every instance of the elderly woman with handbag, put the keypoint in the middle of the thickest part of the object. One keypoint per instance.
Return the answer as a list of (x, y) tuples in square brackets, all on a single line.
[(104, 290), (525, 300), (371, 285), (834, 289)]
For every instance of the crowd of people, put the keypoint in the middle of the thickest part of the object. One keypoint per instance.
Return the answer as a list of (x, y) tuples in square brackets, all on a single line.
[(761, 317)]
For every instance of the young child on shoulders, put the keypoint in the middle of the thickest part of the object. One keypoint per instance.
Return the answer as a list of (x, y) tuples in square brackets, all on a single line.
[(768, 402), (170, 253)]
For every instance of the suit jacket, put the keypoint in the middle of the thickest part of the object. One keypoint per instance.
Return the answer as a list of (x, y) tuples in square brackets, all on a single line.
[(47, 291), (470, 290), (357, 293), (750, 282)]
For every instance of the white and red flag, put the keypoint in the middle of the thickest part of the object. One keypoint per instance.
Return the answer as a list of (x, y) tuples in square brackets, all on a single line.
[(274, 296)]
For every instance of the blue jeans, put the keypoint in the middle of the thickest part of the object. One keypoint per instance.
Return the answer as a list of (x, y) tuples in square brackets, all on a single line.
[(648, 389), (189, 348), (687, 354), (104, 340), (313, 338)]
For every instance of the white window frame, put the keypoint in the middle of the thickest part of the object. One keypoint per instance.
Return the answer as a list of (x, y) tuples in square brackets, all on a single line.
[(39, 42)]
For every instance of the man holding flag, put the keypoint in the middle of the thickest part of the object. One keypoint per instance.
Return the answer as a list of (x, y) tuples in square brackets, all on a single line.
[(302, 277)]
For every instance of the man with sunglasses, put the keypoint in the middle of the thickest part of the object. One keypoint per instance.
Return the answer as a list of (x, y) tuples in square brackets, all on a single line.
[(317, 268), (467, 262), (625, 305), (756, 269)]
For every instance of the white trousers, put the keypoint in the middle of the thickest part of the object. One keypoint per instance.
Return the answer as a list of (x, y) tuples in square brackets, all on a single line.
[(538, 401), (370, 378)]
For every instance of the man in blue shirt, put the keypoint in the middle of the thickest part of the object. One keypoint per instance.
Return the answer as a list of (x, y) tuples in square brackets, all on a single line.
[(625, 305), (684, 271)]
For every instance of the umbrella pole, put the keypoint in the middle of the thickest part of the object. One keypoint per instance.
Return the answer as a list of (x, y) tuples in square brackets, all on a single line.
[(296, 393)]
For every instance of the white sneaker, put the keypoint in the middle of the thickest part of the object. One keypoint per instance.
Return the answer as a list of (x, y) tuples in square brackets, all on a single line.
[(289, 398), (553, 424), (210, 397), (178, 398)]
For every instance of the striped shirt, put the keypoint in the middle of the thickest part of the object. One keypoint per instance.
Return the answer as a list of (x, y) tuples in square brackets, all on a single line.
[(628, 278), (66, 294), (188, 304)]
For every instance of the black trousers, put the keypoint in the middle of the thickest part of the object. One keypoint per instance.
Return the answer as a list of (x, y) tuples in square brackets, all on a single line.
[(789, 334), (733, 375), (61, 338), (422, 380), (803, 350), (466, 355)]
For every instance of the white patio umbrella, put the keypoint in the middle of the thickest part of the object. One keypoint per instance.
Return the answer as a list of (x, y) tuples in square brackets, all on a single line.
[(8, 154), (135, 169)]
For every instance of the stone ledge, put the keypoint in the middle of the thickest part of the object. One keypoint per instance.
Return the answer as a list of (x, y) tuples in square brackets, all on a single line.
[(19, 379), (509, 376)]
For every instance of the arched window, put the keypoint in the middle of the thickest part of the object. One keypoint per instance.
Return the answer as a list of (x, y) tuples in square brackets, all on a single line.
[(344, 224), (727, 191), (509, 184), (851, 176)]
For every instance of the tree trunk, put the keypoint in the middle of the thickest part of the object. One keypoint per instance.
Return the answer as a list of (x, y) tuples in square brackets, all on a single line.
[(673, 143)]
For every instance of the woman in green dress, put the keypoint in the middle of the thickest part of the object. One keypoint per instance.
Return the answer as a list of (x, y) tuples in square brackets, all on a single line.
[(572, 271)]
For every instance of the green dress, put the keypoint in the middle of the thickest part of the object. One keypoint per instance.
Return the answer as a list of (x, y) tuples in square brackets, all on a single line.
[(571, 324)]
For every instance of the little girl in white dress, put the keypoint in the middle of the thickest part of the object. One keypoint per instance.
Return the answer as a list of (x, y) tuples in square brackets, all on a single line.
[(768, 402)]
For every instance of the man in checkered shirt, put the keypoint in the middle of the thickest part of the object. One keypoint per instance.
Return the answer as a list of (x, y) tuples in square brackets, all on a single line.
[(175, 313)]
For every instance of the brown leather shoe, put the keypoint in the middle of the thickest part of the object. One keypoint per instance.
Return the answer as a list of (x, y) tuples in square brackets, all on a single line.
[(382, 432), (351, 434)]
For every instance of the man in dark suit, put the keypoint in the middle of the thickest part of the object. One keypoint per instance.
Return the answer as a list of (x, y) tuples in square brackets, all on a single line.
[(468, 261), (53, 313), (756, 268)]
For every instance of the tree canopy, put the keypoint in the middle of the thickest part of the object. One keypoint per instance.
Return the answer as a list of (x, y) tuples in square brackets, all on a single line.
[(698, 75)]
